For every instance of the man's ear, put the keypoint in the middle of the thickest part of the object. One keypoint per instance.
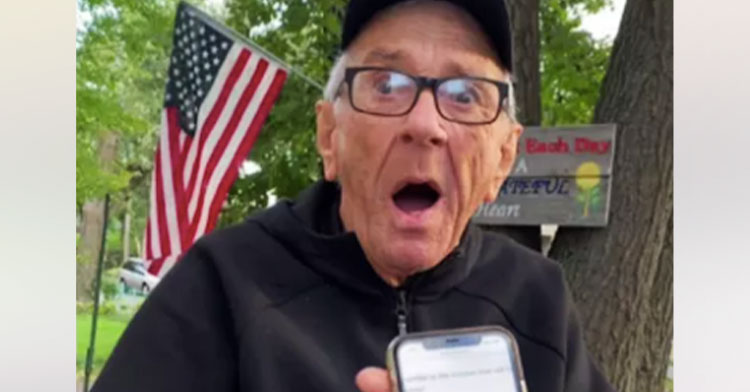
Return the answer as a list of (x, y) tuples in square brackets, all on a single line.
[(508, 153), (325, 135)]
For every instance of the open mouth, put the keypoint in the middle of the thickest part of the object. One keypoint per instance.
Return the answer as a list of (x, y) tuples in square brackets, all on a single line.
[(416, 197)]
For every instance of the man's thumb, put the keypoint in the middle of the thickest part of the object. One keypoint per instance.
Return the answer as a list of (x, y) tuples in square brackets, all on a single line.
[(373, 379)]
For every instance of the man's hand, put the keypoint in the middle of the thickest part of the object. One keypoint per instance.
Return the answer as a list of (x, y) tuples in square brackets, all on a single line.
[(373, 379)]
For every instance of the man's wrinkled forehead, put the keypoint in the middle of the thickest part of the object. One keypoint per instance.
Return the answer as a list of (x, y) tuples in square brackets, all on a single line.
[(402, 59), (378, 42)]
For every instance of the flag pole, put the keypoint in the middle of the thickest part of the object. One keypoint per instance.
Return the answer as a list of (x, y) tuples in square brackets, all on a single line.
[(97, 289), (246, 40)]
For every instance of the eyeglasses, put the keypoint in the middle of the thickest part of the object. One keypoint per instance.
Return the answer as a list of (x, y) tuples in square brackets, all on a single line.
[(387, 92)]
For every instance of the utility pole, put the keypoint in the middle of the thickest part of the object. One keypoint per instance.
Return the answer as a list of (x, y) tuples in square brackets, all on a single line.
[(97, 291)]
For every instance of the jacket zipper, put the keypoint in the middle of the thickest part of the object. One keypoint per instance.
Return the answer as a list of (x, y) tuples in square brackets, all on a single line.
[(402, 311), (402, 298)]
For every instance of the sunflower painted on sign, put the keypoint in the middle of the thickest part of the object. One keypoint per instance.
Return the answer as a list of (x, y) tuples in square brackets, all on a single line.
[(588, 178)]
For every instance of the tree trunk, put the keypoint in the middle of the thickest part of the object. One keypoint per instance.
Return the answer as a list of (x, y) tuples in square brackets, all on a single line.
[(126, 231), (652, 373), (524, 21), (91, 237), (621, 276), (91, 227), (524, 18)]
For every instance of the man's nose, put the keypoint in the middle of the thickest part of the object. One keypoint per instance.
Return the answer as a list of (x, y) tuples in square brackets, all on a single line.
[(423, 123)]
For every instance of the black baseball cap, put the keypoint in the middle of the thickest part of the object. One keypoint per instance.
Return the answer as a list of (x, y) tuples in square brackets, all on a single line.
[(492, 16)]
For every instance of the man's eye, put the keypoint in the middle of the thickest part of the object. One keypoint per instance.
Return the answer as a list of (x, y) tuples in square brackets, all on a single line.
[(391, 83), (384, 87), (464, 98), (460, 92)]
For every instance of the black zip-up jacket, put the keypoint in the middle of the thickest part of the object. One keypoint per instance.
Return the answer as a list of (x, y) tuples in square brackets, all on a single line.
[(288, 302)]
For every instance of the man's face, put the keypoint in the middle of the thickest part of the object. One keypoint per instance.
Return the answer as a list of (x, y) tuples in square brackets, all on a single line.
[(411, 183)]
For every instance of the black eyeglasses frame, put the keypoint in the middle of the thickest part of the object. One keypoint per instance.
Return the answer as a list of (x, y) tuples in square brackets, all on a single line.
[(423, 82)]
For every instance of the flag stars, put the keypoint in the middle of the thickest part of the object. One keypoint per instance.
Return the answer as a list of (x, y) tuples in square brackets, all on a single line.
[(198, 53)]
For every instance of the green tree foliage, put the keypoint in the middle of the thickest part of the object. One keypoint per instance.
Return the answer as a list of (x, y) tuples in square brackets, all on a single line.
[(573, 63), (305, 34), (122, 54)]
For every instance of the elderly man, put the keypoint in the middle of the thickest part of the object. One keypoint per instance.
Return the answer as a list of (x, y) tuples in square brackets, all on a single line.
[(416, 131)]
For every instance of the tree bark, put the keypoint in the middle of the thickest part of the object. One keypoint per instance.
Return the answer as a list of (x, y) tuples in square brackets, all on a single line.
[(652, 372), (91, 226), (621, 276), (126, 231), (524, 19)]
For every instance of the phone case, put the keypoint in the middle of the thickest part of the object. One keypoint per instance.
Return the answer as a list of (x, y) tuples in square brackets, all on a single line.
[(391, 352)]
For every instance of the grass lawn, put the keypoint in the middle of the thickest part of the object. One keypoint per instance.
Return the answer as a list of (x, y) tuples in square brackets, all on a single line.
[(108, 332)]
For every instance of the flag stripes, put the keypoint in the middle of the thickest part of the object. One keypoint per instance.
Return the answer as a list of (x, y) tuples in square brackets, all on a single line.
[(226, 104)]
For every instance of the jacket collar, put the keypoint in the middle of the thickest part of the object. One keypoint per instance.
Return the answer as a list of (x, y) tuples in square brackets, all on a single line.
[(311, 228)]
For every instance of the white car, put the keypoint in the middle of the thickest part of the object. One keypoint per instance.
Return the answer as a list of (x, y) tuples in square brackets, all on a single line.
[(133, 274)]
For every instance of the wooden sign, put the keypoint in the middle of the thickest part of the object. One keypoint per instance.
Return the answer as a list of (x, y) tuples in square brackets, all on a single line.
[(562, 176)]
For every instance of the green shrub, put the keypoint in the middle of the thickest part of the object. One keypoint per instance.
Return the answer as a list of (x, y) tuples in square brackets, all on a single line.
[(107, 309), (109, 288), (84, 307)]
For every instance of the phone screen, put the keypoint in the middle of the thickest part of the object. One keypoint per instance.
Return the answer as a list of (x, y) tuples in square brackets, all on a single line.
[(481, 362)]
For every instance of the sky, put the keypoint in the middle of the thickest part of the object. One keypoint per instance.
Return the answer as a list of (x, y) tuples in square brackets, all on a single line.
[(605, 23)]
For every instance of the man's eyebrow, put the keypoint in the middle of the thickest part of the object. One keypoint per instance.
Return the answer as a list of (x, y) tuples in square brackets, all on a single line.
[(398, 57), (380, 54), (457, 69)]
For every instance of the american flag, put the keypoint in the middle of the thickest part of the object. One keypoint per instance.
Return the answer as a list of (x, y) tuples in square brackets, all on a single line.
[(218, 95)]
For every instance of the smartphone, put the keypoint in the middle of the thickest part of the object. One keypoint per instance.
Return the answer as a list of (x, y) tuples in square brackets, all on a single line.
[(482, 359)]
